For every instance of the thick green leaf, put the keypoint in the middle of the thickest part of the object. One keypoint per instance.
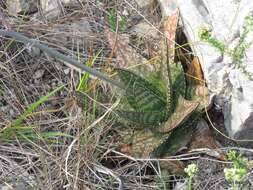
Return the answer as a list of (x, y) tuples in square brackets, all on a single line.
[(178, 83), (157, 79), (141, 94), (144, 118), (178, 138)]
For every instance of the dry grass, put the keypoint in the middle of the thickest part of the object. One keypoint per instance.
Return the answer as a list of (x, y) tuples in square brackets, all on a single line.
[(89, 159)]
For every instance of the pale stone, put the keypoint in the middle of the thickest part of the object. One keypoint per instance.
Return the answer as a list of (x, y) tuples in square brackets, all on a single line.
[(144, 3), (233, 89), (52, 8), (145, 29), (16, 6), (38, 74)]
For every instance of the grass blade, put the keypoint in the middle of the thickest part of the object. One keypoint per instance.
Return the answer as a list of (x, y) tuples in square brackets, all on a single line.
[(31, 108)]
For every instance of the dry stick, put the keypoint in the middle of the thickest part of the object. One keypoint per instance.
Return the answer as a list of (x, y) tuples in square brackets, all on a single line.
[(57, 55)]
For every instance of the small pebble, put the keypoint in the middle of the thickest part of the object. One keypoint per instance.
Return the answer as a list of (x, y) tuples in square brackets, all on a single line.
[(36, 81), (11, 112), (38, 74), (66, 71)]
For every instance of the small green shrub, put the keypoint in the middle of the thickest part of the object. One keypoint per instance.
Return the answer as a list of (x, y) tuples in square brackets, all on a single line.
[(24, 132), (191, 171), (82, 86), (205, 34), (238, 53), (237, 174)]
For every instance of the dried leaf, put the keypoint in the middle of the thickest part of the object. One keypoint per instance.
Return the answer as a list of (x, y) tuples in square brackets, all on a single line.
[(144, 118), (173, 166), (182, 112), (170, 28), (194, 73), (203, 138), (196, 84)]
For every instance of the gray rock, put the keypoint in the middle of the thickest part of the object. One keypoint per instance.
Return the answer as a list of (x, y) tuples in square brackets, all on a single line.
[(35, 52), (145, 29), (232, 87), (38, 74), (180, 186), (66, 71), (12, 112), (144, 3), (245, 134), (53, 8), (16, 6)]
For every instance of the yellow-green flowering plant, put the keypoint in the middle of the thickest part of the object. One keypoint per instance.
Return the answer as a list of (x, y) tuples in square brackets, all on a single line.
[(237, 174), (191, 171)]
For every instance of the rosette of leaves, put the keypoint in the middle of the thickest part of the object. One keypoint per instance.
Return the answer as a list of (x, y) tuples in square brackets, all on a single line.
[(148, 100), (150, 109)]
